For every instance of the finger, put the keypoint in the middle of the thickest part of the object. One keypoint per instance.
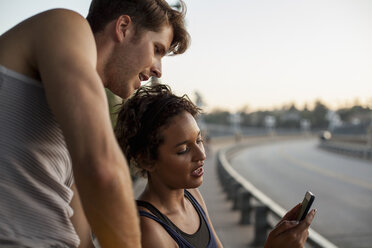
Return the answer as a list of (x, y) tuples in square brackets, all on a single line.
[(292, 214), (307, 221), (304, 236), (283, 226)]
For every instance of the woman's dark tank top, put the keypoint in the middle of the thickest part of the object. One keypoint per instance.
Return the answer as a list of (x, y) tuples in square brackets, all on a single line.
[(202, 238)]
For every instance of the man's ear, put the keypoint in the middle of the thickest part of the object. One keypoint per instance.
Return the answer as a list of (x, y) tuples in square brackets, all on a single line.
[(123, 27)]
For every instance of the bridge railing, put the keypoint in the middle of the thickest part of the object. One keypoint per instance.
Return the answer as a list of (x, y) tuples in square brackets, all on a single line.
[(348, 148), (256, 208)]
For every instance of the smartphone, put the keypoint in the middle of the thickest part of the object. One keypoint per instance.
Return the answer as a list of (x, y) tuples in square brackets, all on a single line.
[(306, 204)]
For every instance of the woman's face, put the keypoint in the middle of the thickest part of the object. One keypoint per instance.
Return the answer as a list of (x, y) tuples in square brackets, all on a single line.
[(181, 156)]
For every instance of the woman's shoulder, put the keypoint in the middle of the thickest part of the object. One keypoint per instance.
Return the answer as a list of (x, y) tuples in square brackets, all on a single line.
[(153, 233)]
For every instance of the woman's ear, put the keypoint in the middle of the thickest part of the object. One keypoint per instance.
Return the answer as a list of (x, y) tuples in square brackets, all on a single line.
[(145, 163), (150, 167)]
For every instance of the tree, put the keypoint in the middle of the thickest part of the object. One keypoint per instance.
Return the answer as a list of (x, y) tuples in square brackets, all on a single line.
[(318, 118), (218, 117)]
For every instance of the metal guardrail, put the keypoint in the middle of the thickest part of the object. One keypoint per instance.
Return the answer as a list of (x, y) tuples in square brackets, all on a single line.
[(355, 150), (249, 200)]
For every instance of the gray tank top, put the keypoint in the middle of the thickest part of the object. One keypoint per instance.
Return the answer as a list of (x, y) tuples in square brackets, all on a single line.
[(35, 168)]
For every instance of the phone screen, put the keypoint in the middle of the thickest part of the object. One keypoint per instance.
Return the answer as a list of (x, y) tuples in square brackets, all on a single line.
[(306, 204)]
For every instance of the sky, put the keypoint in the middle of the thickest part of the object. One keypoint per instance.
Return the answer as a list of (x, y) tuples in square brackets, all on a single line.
[(260, 54)]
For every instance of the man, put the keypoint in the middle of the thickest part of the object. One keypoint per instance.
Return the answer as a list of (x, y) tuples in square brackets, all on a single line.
[(54, 119)]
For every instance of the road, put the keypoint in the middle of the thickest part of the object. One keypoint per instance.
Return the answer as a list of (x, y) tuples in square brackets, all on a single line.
[(342, 185)]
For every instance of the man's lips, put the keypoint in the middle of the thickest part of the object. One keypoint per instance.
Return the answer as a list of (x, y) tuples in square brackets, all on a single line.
[(143, 77)]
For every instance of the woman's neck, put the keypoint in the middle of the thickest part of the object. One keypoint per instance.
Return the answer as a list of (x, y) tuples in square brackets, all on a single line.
[(168, 201)]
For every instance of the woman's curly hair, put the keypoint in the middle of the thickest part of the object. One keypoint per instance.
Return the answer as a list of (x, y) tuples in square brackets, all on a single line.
[(140, 119)]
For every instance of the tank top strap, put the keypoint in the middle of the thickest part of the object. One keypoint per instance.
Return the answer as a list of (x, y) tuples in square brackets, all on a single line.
[(181, 242), (153, 210), (212, 242), (194, 202)]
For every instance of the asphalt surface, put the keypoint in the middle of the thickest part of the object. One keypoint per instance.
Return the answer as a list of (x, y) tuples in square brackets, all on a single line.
[(342, 185)]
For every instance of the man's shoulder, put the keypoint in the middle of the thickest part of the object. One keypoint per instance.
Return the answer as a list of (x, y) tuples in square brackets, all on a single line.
[(63, 23), (62, 17), (47, 33), (51, 22), (58, 13)]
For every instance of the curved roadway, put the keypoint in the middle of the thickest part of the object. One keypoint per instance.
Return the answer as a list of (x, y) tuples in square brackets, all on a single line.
[(342, 186)]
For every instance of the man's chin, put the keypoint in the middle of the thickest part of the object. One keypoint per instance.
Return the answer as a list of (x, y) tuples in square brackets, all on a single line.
[(124, 94), (124, 90)]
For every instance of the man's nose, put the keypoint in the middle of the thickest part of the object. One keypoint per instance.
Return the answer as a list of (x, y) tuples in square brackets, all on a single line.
[(156, 69)]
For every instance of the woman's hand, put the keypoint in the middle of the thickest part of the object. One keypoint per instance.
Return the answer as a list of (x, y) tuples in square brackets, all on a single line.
[(288, 232)]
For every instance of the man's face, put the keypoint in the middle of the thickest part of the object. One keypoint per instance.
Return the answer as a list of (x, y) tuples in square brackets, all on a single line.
[(136, 60)]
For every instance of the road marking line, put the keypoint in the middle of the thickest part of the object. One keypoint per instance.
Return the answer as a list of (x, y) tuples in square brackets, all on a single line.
[(332, 174)]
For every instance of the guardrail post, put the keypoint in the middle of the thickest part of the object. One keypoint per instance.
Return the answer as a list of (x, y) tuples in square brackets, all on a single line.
[(235, 196), (223, 177), (226, 185), (369, 143), (261, 226), (226, 180), (232, 187), (245, 206), (220, 171)]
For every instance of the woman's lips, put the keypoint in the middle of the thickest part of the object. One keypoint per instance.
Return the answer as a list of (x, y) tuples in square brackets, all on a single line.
[(198, 172)]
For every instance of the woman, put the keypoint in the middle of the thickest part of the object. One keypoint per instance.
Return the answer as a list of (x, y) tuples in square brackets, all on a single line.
[(161, 140)]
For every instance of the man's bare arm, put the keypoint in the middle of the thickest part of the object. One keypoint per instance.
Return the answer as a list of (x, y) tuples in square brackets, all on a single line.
[(65, 56), (80, 222)]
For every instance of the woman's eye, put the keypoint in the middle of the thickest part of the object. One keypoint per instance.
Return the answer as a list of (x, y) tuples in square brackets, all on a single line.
[(183, 151)]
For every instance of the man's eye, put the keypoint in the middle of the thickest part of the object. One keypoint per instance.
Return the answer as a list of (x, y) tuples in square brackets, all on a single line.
[(159, 50)]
